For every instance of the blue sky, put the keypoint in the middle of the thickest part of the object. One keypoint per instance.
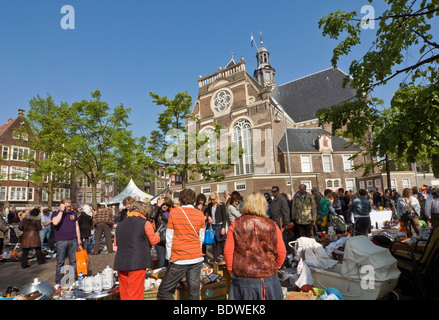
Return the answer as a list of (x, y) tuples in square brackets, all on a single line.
[(129, 48)]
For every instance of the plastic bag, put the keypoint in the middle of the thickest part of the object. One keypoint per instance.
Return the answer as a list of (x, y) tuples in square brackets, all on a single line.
[(82, 261), (209, 236)]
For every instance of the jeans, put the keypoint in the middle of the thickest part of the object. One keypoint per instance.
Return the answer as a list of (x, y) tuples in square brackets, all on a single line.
[(172, 277), (44, 234), (161, 255), (64, 249)]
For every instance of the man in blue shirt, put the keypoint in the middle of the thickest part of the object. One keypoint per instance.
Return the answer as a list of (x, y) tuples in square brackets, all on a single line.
[(361, 208)]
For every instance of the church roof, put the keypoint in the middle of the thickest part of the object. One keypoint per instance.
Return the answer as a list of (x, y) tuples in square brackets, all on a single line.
[(302, 98), (306, 140)]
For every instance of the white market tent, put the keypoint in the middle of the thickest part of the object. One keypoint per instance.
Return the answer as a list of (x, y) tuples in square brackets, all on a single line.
[(131, 190)]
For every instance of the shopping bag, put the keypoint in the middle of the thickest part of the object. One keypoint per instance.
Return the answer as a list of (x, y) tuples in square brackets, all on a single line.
[(82, 261), (209, 236)]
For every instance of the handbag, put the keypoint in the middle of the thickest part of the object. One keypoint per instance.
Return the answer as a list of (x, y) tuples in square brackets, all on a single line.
[(82, 261), (209, 236)]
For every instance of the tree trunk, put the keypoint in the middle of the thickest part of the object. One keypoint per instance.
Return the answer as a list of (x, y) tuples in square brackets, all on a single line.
[(389, 182), (93, 196)]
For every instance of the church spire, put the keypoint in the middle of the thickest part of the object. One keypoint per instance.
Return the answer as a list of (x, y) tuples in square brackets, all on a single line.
[(264, 72)]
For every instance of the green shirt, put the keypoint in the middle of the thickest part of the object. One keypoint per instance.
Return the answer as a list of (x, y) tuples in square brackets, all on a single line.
[(324, 205)]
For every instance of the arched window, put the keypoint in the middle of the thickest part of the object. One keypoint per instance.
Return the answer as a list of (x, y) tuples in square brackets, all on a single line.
[(242, 136)]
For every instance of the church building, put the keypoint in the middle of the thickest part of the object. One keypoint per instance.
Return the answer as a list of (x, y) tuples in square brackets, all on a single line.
[(277, 127)]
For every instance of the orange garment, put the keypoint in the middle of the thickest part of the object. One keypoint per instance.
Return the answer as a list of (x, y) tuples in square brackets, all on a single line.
[(131, 284), (229, 248), (185, 240)]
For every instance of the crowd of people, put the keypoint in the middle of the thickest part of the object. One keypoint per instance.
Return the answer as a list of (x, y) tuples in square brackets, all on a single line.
[(251, 232)]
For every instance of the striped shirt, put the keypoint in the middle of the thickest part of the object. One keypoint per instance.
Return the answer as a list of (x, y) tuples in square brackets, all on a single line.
[(183, 243)]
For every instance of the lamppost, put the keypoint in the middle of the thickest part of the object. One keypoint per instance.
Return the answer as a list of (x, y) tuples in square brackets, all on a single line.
[(277, 120)]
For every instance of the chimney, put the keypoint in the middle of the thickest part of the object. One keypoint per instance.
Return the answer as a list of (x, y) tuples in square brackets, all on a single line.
[(20, 112)]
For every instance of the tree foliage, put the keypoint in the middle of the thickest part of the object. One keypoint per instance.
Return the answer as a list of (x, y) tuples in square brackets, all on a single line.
[(404, 49), (178, 139)]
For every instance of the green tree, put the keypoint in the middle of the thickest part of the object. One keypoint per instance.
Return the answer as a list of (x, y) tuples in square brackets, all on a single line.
[(52, 167), (180, 147), (403, 50)]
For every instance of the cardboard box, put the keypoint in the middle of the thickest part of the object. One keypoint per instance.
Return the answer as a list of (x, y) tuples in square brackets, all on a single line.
[(221, 269), (152, 295), (212, 291)]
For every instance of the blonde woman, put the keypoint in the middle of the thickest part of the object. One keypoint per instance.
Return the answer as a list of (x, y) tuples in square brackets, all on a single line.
[(217, 217), (254, 252), (408, 210)]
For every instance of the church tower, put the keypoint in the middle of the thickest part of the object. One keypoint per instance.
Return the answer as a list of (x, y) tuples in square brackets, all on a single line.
[(264, 72)]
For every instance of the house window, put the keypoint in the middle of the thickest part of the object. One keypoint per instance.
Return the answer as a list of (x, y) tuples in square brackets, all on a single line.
[(15, 135), (4, 173), (242, 137), (393, 183), (377, 183), (19, 153), (5, 153), (3, 191), (19, 173), (307, 184), (347, 163), (362, 185), (44, 196), (80, 197), (205, 189), (30, 194), (222, 187), (406, 183), (240, 185), (306, 163), (327, 163), (350, 184), (17, 194), (333, 183), (88, 197)]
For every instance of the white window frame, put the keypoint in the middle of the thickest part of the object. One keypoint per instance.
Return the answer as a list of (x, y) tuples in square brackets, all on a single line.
[(3, 193), (30, 194), (333, 183), (15, 135), (87, 197), (4, 173), (221, 187), (7, 152), (404, 184), (241, 185), (353, 184), (242, 135), (309, 163), (347, 163), (80, 199), (44, 196), (330, 162), (14, 190), (18, 173), (308, 185), (362, 185), (24, 150), (206, 189), (393, 183), (378, 183)]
